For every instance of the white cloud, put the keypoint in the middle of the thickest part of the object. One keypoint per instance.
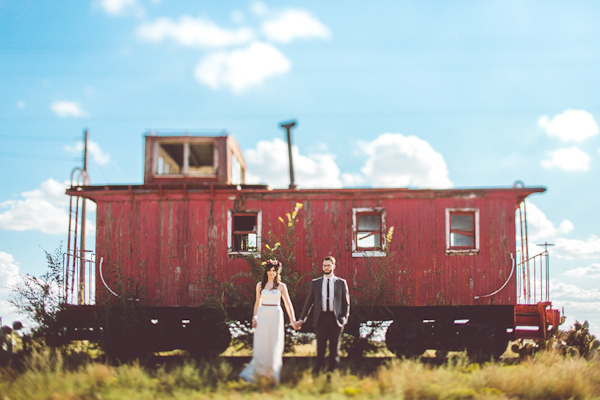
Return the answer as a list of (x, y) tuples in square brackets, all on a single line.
[(579, 304), (121, 7), (589, 272), (566, 227), (294, 24), (570, 126), (194, 32), (242, 69), (9, 270), (572, 159), (99, 155), (578, 249), (239, 60), (51, 191), (9, 275), (562, 290), (268, 163), (20, 104), (68, 109), (43, 209), (396, 160), (353, 180), (539, 227), (259, 8)]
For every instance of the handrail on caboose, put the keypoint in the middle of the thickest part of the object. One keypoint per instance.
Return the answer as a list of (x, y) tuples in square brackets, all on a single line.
[(512, 271), (530, 278), (537, 269), (72, 291), (78, 269)]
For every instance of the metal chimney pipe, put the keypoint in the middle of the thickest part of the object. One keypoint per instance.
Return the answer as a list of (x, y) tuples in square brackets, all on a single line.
[(288, 127)]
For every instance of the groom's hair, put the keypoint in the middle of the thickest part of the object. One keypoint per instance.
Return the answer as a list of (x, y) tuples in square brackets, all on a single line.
[(330, 258)]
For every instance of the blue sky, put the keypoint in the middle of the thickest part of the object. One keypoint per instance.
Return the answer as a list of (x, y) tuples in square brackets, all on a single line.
[(420, 94)]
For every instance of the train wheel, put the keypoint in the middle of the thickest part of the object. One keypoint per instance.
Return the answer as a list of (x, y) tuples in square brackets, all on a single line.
[(489, 343), (499, 344), (405, 339), (210, 338)]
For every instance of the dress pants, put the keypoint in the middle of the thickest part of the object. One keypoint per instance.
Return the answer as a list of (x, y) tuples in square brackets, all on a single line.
[(327, 330)]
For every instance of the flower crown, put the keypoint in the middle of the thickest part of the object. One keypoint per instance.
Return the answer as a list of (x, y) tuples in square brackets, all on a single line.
[(273, 262)]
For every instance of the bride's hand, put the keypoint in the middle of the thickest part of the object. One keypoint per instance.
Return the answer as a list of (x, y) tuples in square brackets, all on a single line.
[(254, 322)]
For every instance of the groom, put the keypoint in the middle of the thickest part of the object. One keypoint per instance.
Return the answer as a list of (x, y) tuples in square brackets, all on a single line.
[(329, 297)]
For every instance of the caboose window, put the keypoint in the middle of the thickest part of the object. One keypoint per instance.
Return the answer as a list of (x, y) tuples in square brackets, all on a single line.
[(201, 160), (244, 231), (368, 225), (186, 158), (462, 230), (170, 159), (368, 231)]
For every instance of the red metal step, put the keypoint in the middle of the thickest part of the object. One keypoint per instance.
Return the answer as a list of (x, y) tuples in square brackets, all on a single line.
[(531, 321)]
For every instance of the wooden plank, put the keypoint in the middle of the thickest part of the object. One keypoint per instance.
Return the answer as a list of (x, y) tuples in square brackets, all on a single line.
[(179, 238)]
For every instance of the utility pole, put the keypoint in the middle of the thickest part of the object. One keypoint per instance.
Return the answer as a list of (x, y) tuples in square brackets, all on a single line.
[(288, 127), (81, 297)]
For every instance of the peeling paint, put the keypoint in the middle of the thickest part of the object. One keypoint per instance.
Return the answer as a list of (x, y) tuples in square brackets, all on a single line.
[(147, 231)]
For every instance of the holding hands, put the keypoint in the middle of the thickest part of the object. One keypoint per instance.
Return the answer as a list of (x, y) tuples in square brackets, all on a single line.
[(296, 324)]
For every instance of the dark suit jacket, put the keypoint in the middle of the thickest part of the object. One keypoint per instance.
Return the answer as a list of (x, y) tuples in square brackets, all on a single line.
[(341, 301)]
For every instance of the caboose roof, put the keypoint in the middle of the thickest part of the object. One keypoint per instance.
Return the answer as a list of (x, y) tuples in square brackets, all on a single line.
[(174, 190)]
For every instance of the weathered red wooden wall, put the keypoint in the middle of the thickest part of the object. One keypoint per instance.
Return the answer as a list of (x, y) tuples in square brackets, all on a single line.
[(170, 242)]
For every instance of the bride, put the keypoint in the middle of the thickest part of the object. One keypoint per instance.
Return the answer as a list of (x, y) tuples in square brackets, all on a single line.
[(267, 322)]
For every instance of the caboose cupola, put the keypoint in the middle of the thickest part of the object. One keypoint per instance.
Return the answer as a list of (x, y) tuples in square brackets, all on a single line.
[(197, 159)]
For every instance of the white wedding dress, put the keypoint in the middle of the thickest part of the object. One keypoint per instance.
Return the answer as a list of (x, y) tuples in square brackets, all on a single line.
[(269, 339)]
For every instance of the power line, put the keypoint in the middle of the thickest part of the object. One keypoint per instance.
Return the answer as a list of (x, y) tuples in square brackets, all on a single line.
[(40, 157), (20, 137)]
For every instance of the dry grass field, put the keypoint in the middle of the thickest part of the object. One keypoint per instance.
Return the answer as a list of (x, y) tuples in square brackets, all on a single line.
[(547, 375)]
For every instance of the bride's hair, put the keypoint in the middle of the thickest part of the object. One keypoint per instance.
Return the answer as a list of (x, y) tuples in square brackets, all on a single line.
[(268, 265)]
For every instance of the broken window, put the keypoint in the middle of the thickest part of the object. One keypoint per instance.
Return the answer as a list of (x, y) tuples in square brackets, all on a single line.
[(368, 225), (186, 158), (202, 159), (244, 232), (462, 230), (170, 159)]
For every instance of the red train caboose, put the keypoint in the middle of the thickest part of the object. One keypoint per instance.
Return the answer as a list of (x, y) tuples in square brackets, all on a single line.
[(454, 277)]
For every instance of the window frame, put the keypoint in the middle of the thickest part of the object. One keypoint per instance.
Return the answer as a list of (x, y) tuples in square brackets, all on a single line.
[(476, 231), (231, 214), (368, 252), (185, 168)]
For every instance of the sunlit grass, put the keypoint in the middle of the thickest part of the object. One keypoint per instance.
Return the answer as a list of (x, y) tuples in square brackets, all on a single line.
[(304, 350), (48, 375)]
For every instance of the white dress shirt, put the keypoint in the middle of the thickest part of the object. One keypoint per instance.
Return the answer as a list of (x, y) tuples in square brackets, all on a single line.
[(326, 281)]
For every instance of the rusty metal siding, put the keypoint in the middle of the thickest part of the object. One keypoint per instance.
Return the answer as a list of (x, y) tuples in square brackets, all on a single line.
[(174, 244)]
